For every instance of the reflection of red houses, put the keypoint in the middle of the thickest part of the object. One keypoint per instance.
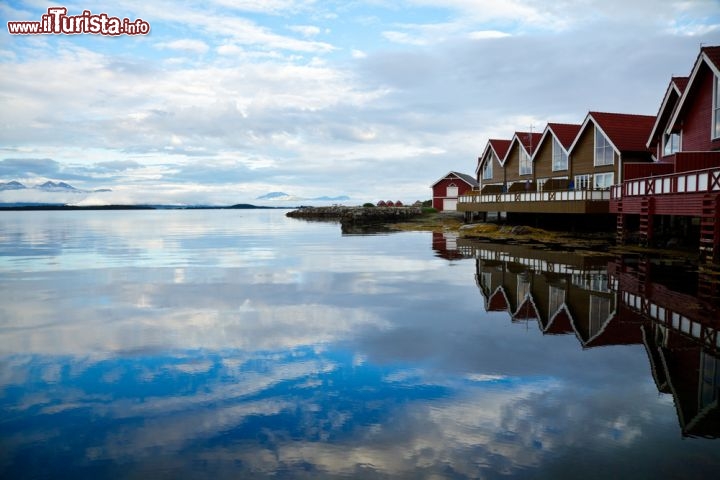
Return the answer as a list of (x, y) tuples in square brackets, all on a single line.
[(619, 304), (682, 344), (445, 245), (447, 190)]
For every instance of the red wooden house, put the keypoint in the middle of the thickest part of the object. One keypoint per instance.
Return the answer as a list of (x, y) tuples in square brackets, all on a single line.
[(490, 172), (518, 164), (447, 190), (684, 181)]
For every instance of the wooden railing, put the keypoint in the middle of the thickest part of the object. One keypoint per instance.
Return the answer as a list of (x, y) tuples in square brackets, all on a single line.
[(552, 196), (698, 181)]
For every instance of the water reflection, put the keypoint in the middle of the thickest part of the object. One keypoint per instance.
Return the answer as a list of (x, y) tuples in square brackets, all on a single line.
[(229, 344), (622, 300)]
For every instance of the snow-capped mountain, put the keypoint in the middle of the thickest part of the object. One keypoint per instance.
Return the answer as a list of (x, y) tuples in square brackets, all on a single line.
[(48, 186), (12, 185), (286, 197), (56, 187)]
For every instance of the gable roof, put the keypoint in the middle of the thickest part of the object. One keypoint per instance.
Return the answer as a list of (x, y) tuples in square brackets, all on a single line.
[(709, 56), (565, 133), (499, 147), (667, 107), (626, 132), (529, 142), (470, 180)]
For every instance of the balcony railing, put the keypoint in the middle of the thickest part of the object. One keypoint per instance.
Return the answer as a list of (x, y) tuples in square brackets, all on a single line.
[(552, 196), (698, 181)]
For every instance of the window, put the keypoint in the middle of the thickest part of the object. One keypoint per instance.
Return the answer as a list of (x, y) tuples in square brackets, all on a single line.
[(525, 163), (672, 144), (557, 298), (583, 182), (716, 109), (603, 181), (560, 158), (488, 169), (600, 309), (523, 287), (452, 190), (604, 154)]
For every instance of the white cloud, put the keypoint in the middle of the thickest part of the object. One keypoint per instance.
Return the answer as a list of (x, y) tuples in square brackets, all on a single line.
[(187, 45), (365, 103), (305, 30)]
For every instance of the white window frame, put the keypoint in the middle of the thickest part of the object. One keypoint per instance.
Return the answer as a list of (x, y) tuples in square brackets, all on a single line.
[(559, 156), (525, 161), (671, 143), (452, 195), (600, 181), (583, 182), (599, 311), (716, 109), (603, 149), (556, 298), (487, 172)]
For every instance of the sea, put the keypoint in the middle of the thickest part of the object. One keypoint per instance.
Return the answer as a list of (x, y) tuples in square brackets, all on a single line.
[(232, 344)]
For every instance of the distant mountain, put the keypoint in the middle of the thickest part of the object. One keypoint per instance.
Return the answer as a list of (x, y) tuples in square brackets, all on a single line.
[(288, 197), (56, 187), (48, 186), (12, 185), (272, 196), (341, 198)]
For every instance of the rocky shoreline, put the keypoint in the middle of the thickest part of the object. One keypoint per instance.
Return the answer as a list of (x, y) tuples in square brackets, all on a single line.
[(357, 215)]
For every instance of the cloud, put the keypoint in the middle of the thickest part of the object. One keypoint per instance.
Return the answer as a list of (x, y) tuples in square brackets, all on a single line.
[(186, 45), (12, 168), (410, 90), (305, 30)]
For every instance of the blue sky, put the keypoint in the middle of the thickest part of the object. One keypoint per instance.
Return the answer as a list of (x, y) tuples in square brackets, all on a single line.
[(225, 100)]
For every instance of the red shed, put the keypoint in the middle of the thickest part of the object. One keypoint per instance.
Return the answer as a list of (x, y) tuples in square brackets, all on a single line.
[(447, 190)]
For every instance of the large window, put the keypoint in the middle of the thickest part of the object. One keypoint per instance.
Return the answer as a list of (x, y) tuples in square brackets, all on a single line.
[(603, 149), (488, 169), (672, 143), (716, 109), (525, 162), (600, 309), (583, 182), (560, 158), (603, 181), (557, 298), (452, 190)]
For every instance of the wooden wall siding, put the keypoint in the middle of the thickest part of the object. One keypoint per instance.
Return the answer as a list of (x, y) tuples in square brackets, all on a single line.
[(582, 158), (512, 166), (498, 171), (640, 170), (542, 164), (440, 190), (697, 115)]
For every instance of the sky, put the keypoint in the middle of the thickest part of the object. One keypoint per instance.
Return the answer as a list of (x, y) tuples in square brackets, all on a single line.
[(225, 101)]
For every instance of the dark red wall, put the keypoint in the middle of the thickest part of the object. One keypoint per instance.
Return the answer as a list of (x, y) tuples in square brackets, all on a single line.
[(440, 190), (697, 115)]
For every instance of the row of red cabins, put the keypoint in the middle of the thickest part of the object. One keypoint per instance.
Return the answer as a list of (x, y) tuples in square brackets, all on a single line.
[(389, 203), (658, 175)]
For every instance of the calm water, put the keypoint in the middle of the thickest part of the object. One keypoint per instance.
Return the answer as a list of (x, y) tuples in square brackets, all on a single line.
[(242, 344)]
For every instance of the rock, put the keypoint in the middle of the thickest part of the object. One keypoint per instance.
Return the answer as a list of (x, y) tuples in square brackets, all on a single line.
[(359, 215)]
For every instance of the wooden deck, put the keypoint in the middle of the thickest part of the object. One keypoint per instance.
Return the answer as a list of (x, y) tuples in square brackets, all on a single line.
[(572, 201)]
